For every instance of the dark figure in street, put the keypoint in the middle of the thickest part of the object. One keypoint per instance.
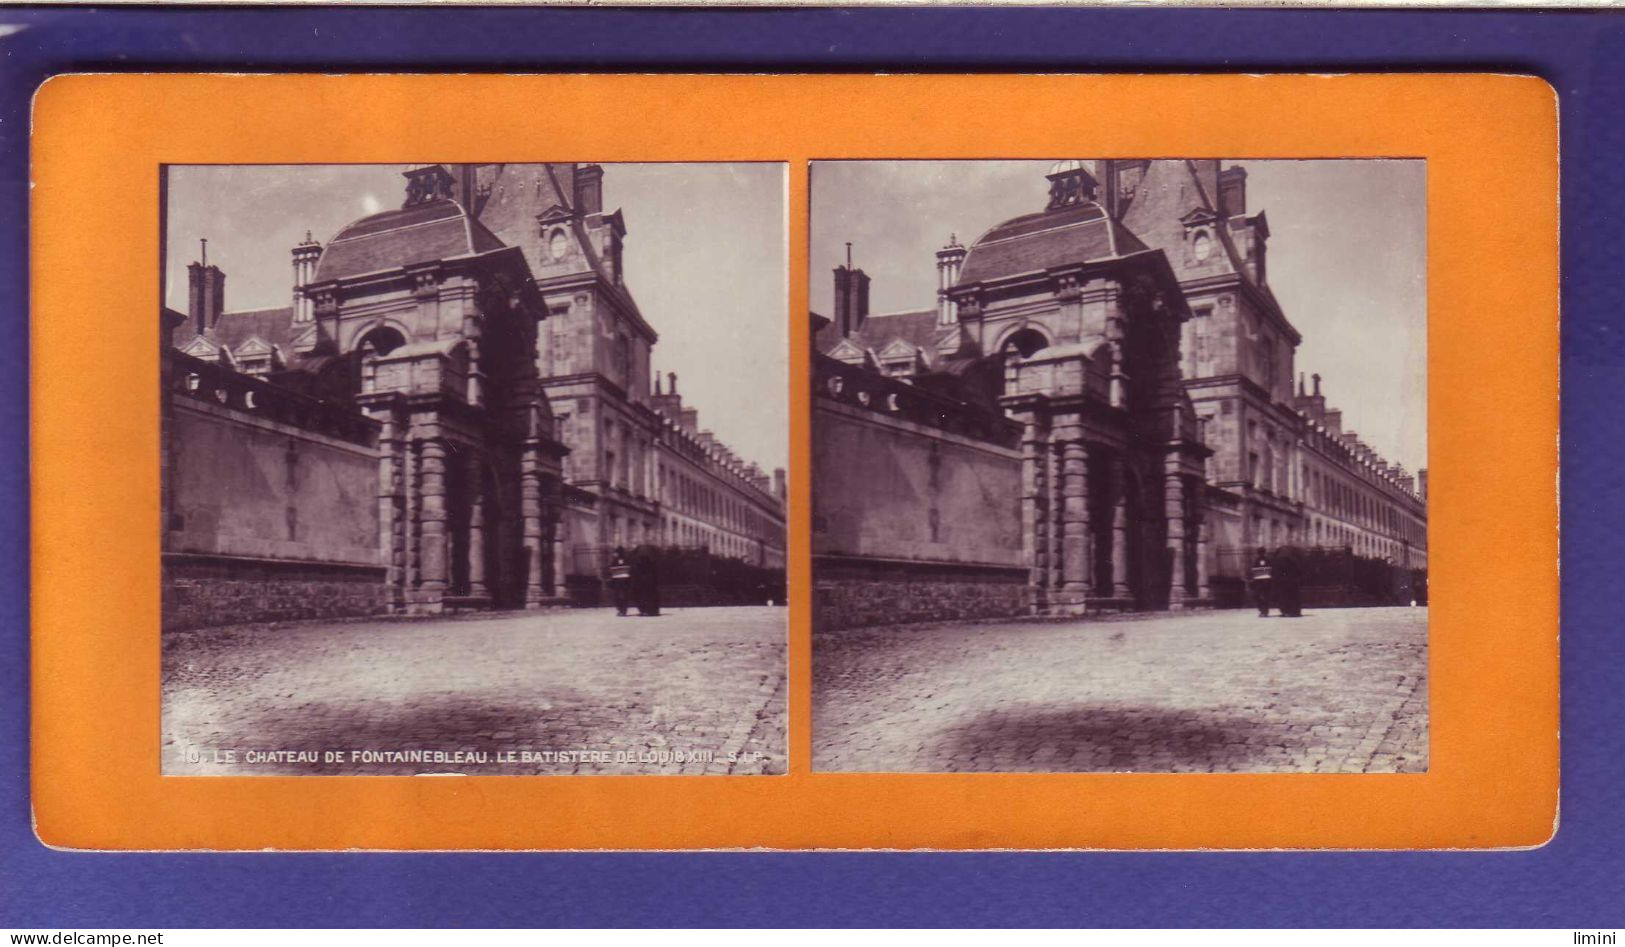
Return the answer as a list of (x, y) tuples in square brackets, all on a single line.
[(620, 580), (1287, 583), (646, 580), (1261, 575)]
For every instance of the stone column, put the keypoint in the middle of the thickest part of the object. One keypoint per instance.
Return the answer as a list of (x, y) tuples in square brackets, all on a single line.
[(1034, 508), (391, 532), (556, 538), (1116, 329), (1199, 526), (1173, 505), (530, 508), (1057, 510), (476, 527), (1120, 586), (1075, 500), (433, 515), (411, 570)]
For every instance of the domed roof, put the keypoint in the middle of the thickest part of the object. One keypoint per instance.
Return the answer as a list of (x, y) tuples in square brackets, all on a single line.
[(1073, 234), (420, 233)]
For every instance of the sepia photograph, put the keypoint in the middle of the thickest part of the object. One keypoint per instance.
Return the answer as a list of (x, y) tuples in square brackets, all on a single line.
[(473, 468), (1119, 465)]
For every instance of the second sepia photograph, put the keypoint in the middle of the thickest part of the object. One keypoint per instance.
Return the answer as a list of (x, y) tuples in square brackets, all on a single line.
[(1119, 466)]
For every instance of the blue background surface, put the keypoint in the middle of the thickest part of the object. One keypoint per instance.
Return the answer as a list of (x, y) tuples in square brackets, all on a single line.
[(1573, 882)]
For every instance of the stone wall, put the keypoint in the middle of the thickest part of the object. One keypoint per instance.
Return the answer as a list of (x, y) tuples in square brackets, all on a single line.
[(911, 522), (855, 593), (201, 591), (270, 506), (246, 486), (894, 489)]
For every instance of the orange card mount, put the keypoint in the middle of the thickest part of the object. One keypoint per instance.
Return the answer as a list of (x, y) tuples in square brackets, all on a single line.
[(1490, 147)]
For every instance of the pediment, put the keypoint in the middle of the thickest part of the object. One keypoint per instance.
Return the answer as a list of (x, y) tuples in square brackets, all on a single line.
[(1198, 216), (847, 351), (201, 347), (898, 349), (253, 347), (555, 213)]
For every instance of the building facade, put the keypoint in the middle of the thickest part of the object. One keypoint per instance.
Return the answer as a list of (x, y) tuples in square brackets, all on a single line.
[(1130, 330), (1286, 471), (1071, 327), (486, 328)]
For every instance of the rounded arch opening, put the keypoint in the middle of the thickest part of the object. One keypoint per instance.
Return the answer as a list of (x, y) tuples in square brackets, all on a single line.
[(1024, 342), (381, 341)]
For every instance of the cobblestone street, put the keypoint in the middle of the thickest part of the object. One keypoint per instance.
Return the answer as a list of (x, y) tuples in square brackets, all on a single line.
[(614, 695), (1336, 691)]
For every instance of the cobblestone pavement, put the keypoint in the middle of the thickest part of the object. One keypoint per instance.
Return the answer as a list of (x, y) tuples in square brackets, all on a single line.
[(1336, 691), (615, 695)]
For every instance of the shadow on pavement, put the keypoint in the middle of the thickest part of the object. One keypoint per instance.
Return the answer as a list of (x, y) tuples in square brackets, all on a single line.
[(1094, 738)]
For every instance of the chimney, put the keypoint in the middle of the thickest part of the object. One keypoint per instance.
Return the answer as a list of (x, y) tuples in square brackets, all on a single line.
[(206, 291), (1422, 484), (589, 189), (949, 259), (689, 420), (781, 488), (305, 256), (1333, 422), (1233, 192), (851, 296), (1315, 404), (668, 402)]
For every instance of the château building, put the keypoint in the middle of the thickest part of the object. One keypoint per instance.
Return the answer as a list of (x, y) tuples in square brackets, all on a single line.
[(1129, 329), (485, 334)]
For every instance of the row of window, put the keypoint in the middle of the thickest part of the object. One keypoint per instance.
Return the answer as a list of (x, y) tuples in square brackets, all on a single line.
[(693, 496), (1365, 508), (629, 531), (1323, 490), (1272, 533), (1324, 533)]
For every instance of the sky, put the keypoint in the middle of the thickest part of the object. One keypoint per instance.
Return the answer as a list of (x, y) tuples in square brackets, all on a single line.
[(1347, 262), (705, 257)]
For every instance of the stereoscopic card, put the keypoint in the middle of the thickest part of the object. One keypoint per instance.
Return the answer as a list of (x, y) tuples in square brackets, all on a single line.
[(837, 461)]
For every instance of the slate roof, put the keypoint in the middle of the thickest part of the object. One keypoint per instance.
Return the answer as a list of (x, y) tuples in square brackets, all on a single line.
[(916, 327), (436, 230), (274, 326), (1048, 239)]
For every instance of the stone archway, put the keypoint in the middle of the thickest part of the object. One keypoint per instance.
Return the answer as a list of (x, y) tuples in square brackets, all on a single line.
[(1024, 342), (380, 340)]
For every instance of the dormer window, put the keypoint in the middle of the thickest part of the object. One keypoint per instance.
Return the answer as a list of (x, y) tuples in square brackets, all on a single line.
[(1202, 246)]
